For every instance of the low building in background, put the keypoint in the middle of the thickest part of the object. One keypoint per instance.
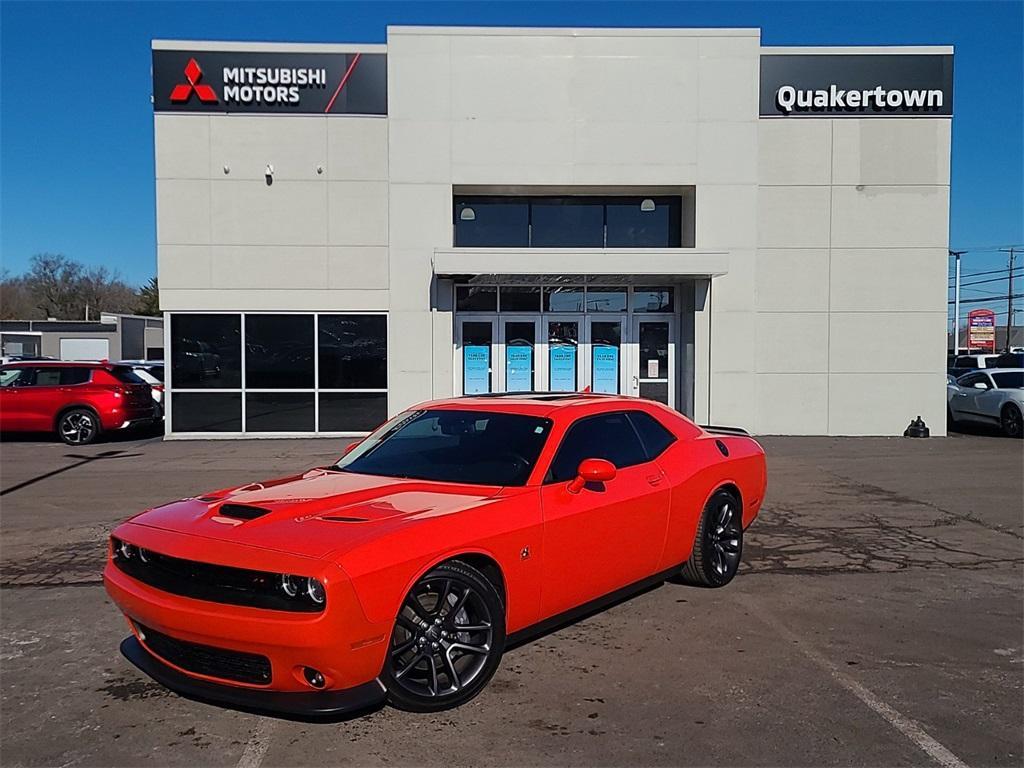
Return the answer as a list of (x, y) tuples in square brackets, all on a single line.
[(754, 236), (114, 337)]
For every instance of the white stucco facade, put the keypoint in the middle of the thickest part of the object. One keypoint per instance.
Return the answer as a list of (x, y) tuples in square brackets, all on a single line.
[(809, 278)]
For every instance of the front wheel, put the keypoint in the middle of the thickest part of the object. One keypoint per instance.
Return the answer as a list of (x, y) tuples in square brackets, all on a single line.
[(78, 426), (447, 642), (1011, 421), (718, 545)]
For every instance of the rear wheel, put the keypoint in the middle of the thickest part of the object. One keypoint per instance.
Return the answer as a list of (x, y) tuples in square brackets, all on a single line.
[(1011, 421), (78, 426), (447, 641), (718, 545)]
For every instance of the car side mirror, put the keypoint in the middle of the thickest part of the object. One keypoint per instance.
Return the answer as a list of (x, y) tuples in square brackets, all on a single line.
[(592, 471), (980, 385), (350, 447)]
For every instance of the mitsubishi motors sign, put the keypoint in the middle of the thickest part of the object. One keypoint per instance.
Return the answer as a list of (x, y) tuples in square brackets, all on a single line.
[(270, 82)]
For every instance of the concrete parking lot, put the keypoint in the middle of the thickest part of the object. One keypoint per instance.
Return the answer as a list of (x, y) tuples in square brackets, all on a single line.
[(877, 620)]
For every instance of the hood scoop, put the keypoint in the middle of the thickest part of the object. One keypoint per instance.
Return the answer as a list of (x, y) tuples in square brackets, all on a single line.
[(242, 511)]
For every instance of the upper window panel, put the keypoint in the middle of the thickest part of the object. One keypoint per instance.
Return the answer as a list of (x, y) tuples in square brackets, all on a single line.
[(353, 352), (567, 222), (607, 436), (647, 222), (206, 351), (279, 351), (492, 222)]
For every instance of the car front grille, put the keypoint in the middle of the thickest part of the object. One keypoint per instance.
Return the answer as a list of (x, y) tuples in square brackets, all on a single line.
[(215, 583), (207, 660)]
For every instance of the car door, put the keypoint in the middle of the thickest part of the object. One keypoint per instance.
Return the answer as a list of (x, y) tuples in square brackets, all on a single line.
[(13, 383), (608, 535), (964, 401), (39, 399)]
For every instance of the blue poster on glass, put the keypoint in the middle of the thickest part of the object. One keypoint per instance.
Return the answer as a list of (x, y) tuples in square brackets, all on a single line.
[(563, 367), (518, 368), (606, 369), (476, 369)]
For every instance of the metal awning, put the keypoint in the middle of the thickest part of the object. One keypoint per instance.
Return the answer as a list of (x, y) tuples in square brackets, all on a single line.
[(577, 265)]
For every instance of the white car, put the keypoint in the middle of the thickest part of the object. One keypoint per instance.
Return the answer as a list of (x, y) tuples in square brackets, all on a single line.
[(994, 396), (973, 361), (151, 372)]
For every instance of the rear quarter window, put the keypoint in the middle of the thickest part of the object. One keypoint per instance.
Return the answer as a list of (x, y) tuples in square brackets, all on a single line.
[(655, 436), (70, 376), (125, 375)]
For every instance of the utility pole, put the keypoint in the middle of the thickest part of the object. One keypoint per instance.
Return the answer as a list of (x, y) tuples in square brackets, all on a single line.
[(956, 304), (1009, 298)]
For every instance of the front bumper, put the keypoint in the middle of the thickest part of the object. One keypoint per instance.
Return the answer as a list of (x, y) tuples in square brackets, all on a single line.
[(312, 704)]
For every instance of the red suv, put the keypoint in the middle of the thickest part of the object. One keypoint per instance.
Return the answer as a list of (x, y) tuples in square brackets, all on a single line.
[(78, 401)]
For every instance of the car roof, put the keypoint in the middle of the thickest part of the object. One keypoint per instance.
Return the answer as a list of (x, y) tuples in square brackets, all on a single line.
[(61, 363), (538, 403)]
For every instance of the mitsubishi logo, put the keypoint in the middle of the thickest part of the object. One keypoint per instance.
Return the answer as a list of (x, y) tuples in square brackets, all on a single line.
[(183, 91)]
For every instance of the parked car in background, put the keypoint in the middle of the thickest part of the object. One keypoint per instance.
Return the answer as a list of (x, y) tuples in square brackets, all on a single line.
[(151, 372), (1007, 360), (994, 397), (78, 401), (21, 358), (973, 361)]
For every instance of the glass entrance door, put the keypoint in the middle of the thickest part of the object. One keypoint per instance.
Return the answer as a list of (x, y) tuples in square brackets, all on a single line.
[(562, 365), (605, 367), (475, 342), (653, 359), (520, 340)]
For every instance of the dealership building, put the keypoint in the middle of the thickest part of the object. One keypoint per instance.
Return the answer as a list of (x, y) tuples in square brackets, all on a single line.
[(756, 236)]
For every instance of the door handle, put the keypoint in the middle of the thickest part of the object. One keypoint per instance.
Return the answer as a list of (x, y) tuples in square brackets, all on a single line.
[(654, 479)]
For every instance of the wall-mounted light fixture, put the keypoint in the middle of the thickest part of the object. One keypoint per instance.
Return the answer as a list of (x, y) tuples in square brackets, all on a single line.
[(269, 174), (467, 214), (647, 205), (227, 169)]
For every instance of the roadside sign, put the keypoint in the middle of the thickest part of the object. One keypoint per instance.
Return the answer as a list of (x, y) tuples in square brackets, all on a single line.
[(981, 329)]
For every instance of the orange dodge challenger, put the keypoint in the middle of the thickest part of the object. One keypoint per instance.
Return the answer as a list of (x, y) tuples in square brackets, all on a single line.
[(401, 572)]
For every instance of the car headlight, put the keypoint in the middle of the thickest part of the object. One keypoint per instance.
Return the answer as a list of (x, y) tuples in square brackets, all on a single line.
[(288, 585), (315, 591), (125, 550)]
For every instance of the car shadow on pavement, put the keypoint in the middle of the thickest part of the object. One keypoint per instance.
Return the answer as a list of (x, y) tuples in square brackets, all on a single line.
[(82, 460)]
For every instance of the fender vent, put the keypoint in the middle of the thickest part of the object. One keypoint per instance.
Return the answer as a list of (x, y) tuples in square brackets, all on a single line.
[(722, 448), (242, 511), (337, 519)]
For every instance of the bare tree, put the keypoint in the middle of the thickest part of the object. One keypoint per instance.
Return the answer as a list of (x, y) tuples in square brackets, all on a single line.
[(56, 286)]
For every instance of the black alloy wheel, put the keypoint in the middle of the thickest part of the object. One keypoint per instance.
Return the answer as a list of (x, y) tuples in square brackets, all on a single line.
[(718, 545), (447, 642), (78, 426), (1011, 421)]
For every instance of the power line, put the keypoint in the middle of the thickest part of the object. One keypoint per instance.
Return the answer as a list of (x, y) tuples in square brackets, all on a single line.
[(989, 298), (1016, 273), (999, 271)]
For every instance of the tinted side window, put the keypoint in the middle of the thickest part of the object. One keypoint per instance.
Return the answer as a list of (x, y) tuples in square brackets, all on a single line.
[(608, 436), (15, 377), (47, 377), (69, 376), (971, 379), (653, 435), (125, 375)]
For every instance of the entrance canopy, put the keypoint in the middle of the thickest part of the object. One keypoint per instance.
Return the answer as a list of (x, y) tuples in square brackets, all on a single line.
[(575, 265)]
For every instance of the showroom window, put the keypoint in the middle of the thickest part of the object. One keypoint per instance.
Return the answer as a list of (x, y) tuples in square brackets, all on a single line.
[(571, 221), (265, 373)]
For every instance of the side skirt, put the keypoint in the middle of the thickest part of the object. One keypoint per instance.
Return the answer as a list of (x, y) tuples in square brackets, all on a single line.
[(565, 618)]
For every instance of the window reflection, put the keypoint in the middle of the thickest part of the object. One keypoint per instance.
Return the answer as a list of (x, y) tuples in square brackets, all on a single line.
[(206, 351), (279, 351), (353, 351)]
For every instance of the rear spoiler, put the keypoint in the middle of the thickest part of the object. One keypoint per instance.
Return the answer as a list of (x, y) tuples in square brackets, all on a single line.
[(724, 430)]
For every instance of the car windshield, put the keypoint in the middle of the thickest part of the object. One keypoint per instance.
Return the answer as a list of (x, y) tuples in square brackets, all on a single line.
[(452, 446), (157, 372), (1009, 380), (146, 376)]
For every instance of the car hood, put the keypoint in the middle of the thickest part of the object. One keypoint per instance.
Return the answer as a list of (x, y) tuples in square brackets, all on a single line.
[(320, 513)]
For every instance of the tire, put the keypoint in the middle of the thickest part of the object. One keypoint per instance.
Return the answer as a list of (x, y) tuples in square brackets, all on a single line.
[(429, 665), (1011, 421), (718, 545), (78, 426)]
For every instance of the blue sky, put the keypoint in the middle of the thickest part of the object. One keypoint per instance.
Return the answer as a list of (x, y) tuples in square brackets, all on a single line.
[(76, 132)]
